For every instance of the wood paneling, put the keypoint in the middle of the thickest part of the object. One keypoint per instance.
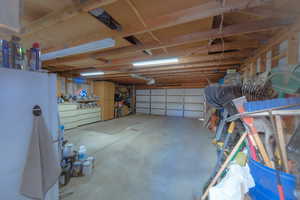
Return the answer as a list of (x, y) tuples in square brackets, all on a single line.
[(106, 91)]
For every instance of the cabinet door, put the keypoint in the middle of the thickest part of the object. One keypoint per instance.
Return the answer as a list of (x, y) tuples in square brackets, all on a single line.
[(105, 90), (107, 109)]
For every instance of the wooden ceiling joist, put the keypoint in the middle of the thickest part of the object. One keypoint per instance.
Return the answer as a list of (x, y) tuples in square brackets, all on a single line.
[(202, 11), (238, 45), (206, 48), (63, 14), (239, 29), (232, 30), (209, 9)]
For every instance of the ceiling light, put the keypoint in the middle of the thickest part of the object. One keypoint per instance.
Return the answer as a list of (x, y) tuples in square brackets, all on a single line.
[(92, 73), (91, 46), (155, 62)]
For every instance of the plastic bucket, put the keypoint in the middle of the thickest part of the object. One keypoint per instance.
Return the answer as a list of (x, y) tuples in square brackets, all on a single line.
[(266, 183)]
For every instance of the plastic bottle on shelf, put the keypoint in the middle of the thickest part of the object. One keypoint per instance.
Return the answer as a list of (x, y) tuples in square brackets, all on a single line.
[(87, 168), (15, 53), (4, 54), (24, 64), (35, 57), (82, 153)]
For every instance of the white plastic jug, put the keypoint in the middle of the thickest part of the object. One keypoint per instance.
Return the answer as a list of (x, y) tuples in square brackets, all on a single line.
[(82, 153)]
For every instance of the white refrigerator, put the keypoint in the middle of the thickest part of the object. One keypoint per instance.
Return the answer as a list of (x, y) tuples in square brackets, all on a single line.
[(19, 92)]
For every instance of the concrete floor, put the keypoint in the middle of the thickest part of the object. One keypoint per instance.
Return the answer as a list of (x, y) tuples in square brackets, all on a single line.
[(143, 157)]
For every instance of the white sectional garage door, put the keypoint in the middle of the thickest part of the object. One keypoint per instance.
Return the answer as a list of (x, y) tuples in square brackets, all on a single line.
[(193, 103), (171, 102), (143, 101), (158, 101)]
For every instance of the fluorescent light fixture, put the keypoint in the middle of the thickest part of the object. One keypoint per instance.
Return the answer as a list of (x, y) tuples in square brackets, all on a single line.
[(91, 46), (92, 73), (155, 62)]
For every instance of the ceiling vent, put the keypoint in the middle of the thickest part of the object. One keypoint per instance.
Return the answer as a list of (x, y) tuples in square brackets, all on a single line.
[(106, 19)]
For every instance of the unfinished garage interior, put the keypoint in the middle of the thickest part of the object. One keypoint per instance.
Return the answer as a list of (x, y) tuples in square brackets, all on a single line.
[(150, 100)]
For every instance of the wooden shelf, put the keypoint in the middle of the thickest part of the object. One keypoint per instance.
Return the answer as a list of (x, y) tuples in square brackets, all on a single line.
[(88, 100)]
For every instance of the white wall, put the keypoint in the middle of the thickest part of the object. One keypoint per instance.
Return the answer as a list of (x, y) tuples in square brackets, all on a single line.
[(20, 91)]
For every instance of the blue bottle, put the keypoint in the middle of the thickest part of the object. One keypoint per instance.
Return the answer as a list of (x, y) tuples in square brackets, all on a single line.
[(4, 53)]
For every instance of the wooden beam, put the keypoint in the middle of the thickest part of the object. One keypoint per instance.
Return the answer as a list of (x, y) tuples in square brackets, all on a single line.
[(188, 68), (139, 16), (282, 143), (209, 9), (166, 75), (293, 49), (63, 14), (268, 12), (275, 53), (276, 40), (237, 45), (263, 62), (232, 30)]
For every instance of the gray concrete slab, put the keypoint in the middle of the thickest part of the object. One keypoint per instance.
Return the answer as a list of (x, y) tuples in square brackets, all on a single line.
[(143, 157)]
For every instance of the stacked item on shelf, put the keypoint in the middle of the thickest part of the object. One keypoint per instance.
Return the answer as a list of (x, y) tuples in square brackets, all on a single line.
[(122, 102), (14, 56)]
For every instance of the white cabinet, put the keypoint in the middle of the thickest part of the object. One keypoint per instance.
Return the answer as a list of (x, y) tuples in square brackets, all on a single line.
[(72, 117)]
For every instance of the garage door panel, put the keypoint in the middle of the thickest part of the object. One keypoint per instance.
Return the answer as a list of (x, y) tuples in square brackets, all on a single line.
[(158, 98), (142, 92), (158, 92), (175, 106), (142, 105), (177, 102), (158, 111), (194, 107), (194, 99), (175, 99), (193, 114), (195, 91), (177, 113), (175, 91), (142, 110), (142, 98), (158, 105)]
